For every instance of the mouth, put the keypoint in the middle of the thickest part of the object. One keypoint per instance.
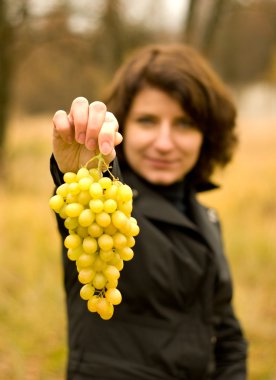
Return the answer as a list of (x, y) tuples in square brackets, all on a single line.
[(160, 163)]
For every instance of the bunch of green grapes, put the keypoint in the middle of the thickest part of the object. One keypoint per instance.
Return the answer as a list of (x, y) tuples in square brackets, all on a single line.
[(101, 232)]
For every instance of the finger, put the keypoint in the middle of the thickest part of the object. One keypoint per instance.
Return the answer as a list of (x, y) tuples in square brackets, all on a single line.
[(63, 127), (97, 113), (79, 116), (106, 139), (118, 138)]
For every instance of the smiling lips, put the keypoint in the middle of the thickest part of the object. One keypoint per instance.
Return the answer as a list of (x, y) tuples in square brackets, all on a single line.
[(160, 163)]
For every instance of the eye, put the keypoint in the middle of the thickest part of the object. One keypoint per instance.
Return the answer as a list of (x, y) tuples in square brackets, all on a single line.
[(185, 122), (146, 120)]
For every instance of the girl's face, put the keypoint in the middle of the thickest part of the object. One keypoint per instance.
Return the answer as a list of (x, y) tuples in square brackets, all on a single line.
[(161, 143)]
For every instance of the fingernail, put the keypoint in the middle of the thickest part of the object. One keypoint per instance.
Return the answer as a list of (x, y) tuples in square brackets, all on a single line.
[(105, 148), (81, 138), (91, 144), (109, 116)]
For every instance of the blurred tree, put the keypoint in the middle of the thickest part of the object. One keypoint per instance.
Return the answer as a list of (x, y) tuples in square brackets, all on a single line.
[(57, 63), (237, 36), (116, 37), (202, 20), (69, 61), (110, 40), (245, 41), (6, 39)]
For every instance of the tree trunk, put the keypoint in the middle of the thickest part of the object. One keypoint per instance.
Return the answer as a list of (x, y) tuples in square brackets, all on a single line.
[(201, 23), (6, 38)]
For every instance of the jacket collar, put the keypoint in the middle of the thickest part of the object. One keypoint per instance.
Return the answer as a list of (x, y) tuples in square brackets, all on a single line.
[(207, 221), (155, 206)]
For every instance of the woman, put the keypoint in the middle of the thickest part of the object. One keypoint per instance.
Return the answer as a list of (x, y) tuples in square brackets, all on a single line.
[(176, 320)]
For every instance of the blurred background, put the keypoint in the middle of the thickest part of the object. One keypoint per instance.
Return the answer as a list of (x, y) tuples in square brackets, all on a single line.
[(55, 50)]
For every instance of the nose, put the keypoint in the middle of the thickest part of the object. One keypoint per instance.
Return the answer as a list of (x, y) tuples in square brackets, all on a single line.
[(164, 139)]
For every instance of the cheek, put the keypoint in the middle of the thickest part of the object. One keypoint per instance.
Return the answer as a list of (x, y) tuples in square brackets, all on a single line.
[(135, 139), (127, 141), (131, 143), (197, 146), (192, 145)]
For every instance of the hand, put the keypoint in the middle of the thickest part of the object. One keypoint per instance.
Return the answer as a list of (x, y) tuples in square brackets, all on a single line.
[(87, 130)]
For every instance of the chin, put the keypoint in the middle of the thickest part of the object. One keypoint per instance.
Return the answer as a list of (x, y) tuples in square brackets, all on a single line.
[(161, 180)]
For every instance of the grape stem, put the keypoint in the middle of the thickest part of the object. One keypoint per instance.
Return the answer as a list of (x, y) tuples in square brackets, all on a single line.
[(101, 164)]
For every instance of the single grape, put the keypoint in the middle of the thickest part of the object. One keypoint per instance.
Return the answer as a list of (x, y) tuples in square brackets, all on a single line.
[(119, 240), (124, 193), (70, 177), (85, 260), (92, 303), (74, 253), (72, 241), (62, 190), (111, 192), (105, 242), (85, 183), (126, 253), (56, 202), (126, 228), (103, 219), (82, 173), (119, 264), (74, 209), (126, 207), (62, 212), (95, 230), (134, 231), (95, 174), (119, 219), (95, 190), (109, 206), (87, 292), (74, 188), (90, 244), (71, 223), (83, 197), (112, 283), (111, 273), (86, 218), (130, 241), (99, 280), (86, 275), (114, 296), (104, 307), (105, 182), (107, 313), (96, 205)]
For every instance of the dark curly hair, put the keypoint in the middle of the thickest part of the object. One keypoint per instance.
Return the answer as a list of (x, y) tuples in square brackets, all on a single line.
[(185, 75)]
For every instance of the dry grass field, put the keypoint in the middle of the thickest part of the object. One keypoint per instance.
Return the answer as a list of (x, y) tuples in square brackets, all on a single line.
[(32, 312)]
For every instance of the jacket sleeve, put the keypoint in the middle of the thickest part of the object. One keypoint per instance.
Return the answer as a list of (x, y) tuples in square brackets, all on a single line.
[(230, 344), (57, 175)]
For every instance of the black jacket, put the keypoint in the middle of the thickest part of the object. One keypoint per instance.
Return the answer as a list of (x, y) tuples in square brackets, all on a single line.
[(176, 320)]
